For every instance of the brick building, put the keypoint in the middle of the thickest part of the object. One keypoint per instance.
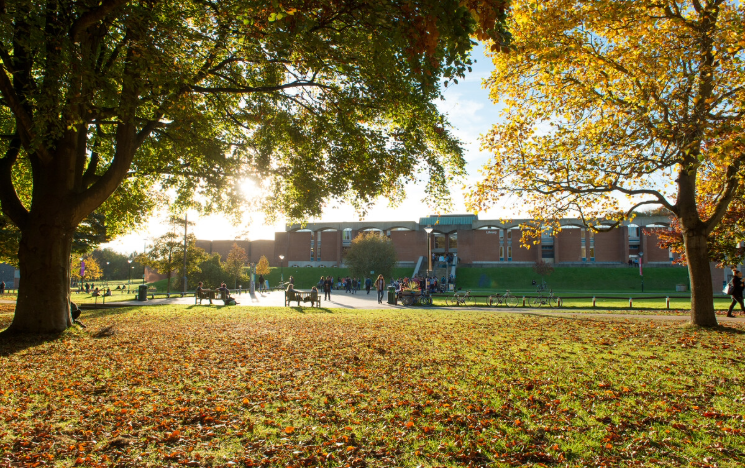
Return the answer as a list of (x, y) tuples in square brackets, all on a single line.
[(474, 242)]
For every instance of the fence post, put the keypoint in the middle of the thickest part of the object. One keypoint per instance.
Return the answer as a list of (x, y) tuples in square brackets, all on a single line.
[(631, 302), (523, 301), (593, 301), (558, 302), (667, 302)]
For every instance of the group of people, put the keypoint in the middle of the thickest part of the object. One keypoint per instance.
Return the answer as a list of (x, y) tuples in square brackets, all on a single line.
[(443, 259)]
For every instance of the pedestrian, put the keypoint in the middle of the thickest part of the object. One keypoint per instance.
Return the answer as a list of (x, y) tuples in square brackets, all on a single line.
[(380, 287), (2, 287), (292, 280), (354, 285), (327, 285), (735, 289), (261, 283), (87, 288), (348, 284), (368, 284)]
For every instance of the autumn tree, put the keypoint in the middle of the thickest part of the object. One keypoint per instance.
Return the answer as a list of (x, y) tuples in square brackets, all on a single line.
[(262, 268), (610, 106), (167, 255), (90, 271), (235, 262), (108, 104), (371, 252)]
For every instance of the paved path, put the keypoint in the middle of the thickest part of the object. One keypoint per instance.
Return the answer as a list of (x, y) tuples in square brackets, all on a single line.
[(362, 300)]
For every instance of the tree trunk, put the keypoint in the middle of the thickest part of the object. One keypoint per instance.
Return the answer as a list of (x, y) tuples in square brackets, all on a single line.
[(702, 293), (44, 292)]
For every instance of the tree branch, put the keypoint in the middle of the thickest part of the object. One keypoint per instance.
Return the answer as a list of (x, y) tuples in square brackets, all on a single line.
[(91, 17), (9, 201)]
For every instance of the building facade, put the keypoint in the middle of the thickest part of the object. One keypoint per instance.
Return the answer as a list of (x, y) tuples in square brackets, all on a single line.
[(474, 242)]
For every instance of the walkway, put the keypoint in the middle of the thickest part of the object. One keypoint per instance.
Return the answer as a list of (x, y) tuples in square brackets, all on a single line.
[(361, 300)]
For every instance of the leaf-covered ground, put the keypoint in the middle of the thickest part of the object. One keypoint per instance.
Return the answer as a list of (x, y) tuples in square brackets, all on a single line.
[(193, 386)]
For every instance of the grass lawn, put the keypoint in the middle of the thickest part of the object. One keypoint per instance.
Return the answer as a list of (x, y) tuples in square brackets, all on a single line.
[(586, 279), (199, 386)]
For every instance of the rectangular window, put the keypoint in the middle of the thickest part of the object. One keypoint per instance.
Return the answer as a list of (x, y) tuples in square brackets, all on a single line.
[(509, 253), (439, 241), (311, 254), (346, 235), (501, 234), (583, 251), (501, 252), (509, 234), (592, 234), (452, 241), (592, 253)]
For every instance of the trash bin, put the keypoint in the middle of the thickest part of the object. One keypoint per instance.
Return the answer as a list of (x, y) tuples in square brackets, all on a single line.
[(142, 293), (392, 295)]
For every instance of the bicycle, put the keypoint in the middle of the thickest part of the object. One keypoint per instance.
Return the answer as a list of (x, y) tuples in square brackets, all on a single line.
[(508, 299), (541, 300), (542, 287), (423, 299), (461, 299)]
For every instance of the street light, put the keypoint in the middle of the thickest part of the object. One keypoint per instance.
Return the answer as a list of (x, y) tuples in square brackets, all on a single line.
[(129, 275), (105, 279), (641, 270), (429, 230), (281, 269)]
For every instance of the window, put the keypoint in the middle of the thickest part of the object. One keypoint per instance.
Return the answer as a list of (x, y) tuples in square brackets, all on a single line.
[(501, 252), (346, 235), (592, 254), (439, 241), (509, 234), (501, 234), (311, 254), (583, 251), (633, 232), (509, 253), (453, 241)]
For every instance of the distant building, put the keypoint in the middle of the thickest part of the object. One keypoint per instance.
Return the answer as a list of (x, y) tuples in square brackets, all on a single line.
[(9, 274)]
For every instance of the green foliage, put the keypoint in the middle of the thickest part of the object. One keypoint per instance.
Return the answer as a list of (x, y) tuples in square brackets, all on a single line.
[(233, 266), (167, 255), (371, 252)]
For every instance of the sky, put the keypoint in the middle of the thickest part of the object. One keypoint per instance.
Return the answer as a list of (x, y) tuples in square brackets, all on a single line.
[(471, 113)]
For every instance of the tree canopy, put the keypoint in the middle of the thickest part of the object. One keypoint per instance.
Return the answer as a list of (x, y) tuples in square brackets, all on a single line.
[(610, 106), (167, 255), (371, 252), (114, 105)]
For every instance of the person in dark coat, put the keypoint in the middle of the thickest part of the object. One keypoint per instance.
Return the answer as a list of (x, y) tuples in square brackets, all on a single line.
[(737, 288), (327, 285)]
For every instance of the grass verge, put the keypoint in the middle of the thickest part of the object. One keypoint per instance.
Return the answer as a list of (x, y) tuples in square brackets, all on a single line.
[(279, 387)]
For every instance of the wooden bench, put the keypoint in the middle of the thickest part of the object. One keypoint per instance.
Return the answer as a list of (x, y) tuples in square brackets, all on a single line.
[(303, 296), (204, 294)]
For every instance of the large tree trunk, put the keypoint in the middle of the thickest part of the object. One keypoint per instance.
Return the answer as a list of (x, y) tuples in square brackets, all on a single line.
[(44, 293), (702, 294)]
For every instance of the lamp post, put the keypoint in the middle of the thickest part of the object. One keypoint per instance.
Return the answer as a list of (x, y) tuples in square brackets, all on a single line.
[(129, 274), (105, 279), (281, 269), (428, 230), (641, 270)]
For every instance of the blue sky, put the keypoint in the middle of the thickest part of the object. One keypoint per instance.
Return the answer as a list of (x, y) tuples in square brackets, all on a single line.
[(471, 114)]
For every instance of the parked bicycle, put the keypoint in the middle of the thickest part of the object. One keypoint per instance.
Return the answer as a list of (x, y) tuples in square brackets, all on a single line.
[(461, 299), (507, 299), (542, 300)]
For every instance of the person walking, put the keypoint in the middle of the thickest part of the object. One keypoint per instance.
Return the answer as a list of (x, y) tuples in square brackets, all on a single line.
[(261, 283), (380, 287), (2, 287), (354, 285), (368, 284), (735, 289)]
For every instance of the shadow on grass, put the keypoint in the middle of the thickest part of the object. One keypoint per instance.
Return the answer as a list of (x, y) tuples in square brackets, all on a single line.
[(11, 342)]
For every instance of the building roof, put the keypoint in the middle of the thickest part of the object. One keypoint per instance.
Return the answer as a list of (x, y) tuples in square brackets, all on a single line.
[(447, 220)]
